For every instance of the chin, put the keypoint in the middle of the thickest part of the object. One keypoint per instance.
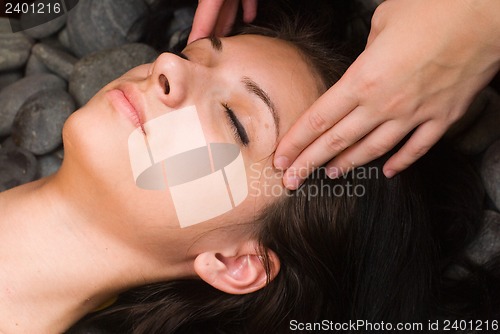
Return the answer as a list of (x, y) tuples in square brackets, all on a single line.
[(97, 146)]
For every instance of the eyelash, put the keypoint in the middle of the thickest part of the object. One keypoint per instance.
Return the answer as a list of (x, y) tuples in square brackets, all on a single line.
[(238, 130)]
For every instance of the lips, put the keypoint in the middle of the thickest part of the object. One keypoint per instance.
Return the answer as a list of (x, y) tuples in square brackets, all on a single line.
[(123, 104)]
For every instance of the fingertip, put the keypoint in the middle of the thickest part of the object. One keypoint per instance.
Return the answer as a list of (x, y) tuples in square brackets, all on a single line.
[(249, 15), (196, 34), (389, 173), (388, 169), (332, 172), (294, 177), (192, 35), (281, 162), (292, 182), (249, 10)]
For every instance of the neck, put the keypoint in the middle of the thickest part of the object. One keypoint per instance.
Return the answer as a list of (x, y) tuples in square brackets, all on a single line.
[(60, 259)]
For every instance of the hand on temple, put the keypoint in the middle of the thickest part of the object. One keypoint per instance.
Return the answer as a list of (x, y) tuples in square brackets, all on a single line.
[(423, 63), (216, 17)]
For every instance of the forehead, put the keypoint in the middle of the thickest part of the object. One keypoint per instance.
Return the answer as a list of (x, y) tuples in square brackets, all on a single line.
[(283, 70)]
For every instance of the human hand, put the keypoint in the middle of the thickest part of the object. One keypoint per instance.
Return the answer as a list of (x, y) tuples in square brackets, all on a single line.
[(216, 17), (423, 63)]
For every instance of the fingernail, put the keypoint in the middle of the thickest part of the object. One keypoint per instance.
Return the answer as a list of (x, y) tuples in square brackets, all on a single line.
[(292, 182), (281, 162), (333, 172), (389, 173)]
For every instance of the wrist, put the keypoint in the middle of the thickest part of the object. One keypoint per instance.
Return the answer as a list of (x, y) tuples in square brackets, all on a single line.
[(485, 13)]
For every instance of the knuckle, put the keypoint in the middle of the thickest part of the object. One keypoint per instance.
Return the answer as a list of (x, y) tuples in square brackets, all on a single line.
[(398, 106), (378, 149), (369, 86), (317, 122), (369, 82), (455, 114), (379, 16), (294, 147), (335, 143), (418, 151)]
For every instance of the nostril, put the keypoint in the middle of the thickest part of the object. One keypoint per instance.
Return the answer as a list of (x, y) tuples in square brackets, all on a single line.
[(164, 83)]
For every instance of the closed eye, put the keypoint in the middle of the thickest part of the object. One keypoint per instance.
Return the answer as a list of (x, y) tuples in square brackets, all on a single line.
[(238, 129)]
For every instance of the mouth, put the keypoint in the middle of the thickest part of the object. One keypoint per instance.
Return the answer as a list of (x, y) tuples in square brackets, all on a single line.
[(124, 104)]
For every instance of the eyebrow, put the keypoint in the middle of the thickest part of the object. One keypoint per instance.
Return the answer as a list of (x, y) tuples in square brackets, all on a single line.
[(252, 87), (255, 89), (216, 43)]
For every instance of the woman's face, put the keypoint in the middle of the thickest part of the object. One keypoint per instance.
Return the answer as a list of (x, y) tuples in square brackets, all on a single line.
[(245, 90)]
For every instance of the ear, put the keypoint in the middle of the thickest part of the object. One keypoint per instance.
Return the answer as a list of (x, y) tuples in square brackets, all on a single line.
[(236, 270)]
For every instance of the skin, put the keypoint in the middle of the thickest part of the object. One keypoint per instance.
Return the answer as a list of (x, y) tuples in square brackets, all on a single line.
[(90, 232), (417, 77), (217, 17)]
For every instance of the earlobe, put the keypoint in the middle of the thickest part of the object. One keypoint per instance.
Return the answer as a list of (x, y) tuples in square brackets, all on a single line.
[(238, 273)]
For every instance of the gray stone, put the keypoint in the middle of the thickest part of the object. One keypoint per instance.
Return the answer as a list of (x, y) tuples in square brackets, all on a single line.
[(8, 144), (180, 26), (9, 77), (55, 43), (95, 25), (33, 25), (93, 72), (13, 96), (59, 154), (38, 125), (490, 172), (17, 166), (57, 61), (14, 47), (35, 66), (371, 4), (48, 164), (487, 243), (486, 128), (472, 113), (63, 38)]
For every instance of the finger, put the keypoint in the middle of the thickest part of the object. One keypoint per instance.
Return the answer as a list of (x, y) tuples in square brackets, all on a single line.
[(378, 23), (346, 132), (372, 146), (249, 10), (331, 107), (227, 16), (424, 137), (205, 19), (372, 36)]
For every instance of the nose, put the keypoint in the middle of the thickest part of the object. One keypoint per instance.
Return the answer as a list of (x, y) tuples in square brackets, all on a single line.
[(169, 78)]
